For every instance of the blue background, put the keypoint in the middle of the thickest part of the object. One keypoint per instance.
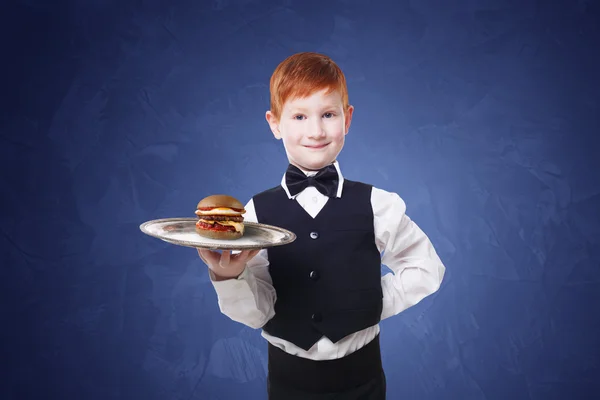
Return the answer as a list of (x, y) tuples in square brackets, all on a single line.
[(483, 115)]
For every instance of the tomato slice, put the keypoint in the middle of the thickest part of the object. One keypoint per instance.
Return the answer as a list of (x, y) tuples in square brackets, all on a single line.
[(215, 227)]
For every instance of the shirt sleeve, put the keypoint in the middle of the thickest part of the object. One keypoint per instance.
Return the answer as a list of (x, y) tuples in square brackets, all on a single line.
[(407, 251), (249, 298)]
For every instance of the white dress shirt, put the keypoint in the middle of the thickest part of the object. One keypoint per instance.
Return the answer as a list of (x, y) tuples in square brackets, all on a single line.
[(407, 251)]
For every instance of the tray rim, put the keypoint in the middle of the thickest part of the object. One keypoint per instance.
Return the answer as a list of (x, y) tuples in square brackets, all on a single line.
[(232, 246)]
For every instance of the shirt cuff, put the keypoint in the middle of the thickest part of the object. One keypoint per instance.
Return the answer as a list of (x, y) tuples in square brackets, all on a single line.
[(233, 287)]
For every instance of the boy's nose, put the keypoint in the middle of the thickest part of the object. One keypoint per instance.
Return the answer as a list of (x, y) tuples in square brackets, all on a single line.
[(316, 132)]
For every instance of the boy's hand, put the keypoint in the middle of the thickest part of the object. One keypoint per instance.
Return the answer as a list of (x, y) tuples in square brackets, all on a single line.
[(224, 265)]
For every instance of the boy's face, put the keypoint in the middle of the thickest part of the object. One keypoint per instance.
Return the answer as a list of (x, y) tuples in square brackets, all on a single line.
[(312, 129)]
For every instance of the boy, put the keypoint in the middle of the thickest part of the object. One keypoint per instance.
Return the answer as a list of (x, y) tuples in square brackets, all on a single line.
[(319, 300)]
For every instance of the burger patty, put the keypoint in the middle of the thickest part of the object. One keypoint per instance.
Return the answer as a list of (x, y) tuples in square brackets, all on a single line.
[(214, 227), (221, 218)]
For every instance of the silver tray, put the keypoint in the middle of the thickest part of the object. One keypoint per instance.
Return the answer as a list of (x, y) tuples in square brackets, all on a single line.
[(182, 232)]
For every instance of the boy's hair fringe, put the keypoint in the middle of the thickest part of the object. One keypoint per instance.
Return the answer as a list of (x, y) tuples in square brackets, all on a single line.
[(302, 74)]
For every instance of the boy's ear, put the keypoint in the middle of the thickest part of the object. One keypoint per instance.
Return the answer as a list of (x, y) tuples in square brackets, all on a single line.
[(348, 119), (273, 124)]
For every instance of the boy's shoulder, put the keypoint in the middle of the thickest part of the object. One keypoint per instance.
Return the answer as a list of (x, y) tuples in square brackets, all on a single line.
[(354, 183), (379, 195), (271, 191), (374, 187)]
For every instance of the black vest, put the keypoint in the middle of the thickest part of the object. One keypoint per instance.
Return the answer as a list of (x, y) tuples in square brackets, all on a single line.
[(328, 281)]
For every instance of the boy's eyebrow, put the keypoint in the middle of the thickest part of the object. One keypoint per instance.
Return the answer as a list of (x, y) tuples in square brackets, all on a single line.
[(298, 108)]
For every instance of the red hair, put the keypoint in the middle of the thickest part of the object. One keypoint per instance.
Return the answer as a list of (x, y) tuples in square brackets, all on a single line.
[(302, 74)]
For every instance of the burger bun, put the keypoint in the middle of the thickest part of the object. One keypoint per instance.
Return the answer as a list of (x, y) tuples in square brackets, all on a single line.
[(218, 235), (220, 200)]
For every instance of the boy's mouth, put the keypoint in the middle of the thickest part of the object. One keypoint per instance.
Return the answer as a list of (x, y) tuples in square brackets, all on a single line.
[(316, 146)]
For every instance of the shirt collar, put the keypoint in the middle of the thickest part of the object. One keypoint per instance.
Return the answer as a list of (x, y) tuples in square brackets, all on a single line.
[(311, 173)]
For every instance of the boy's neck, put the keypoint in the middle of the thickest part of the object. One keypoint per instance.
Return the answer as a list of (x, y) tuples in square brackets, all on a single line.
[(309, 171)]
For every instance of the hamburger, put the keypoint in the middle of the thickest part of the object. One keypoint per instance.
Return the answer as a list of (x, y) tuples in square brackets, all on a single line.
[(220, 217)]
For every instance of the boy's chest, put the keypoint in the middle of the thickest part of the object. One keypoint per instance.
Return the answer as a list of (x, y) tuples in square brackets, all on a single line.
[(338, 242), (311, 211), (336, 250), (340, 226), (312, 201), (322, 225)]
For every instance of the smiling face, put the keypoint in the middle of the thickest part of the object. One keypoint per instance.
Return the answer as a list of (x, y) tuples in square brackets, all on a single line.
[(312, 128)]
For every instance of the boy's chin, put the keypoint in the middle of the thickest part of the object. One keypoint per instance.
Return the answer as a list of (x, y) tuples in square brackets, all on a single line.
[(310, 161)]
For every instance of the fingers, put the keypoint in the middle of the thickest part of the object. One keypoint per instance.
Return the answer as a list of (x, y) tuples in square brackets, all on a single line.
[(202, 254), (250, 254), (225, 258), (246, 255), (208, 256)]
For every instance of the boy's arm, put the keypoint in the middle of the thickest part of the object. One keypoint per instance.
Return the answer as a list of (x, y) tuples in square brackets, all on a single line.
[(249, 298), (407, 251)]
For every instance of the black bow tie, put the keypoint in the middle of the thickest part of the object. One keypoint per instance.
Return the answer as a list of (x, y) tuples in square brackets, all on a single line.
[(325, 181)]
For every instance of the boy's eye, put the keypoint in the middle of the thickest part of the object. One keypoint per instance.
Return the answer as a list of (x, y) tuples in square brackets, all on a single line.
[(328, 115), (299, 117)]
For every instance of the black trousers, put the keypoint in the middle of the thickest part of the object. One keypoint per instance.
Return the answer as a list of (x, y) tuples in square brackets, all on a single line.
[(358, 376), (374, 389)]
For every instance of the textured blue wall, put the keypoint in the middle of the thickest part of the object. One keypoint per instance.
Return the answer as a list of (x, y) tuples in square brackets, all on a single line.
[(483, 115)]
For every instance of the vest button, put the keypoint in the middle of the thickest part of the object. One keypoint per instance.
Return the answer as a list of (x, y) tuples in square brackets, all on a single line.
[(314, 275), (317, 317), (314, 235)]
